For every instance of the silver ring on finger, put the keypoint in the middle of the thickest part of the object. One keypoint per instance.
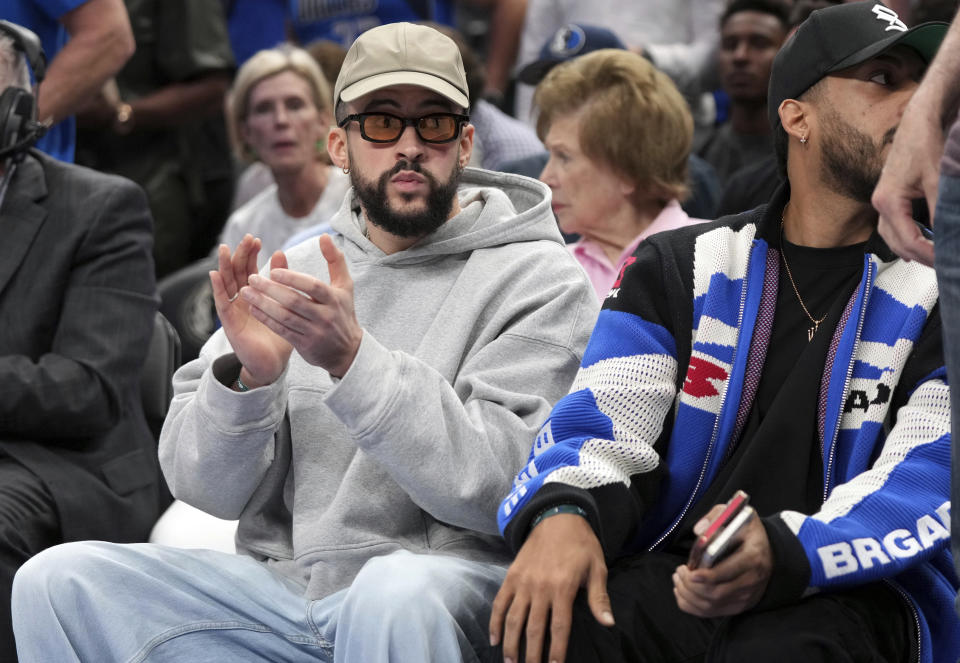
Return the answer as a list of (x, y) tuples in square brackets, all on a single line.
[(234, 298)]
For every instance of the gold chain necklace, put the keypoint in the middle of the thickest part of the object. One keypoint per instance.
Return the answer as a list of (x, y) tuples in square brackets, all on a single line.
[(816, 323)]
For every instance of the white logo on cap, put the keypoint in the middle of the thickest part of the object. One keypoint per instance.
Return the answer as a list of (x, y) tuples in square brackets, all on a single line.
[(568, 41), (890, 16)]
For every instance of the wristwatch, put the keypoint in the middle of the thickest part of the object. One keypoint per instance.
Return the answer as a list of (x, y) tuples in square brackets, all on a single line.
[(123, 119)]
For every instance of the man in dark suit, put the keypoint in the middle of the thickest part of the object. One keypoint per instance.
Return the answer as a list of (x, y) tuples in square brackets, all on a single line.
[(77, 460)]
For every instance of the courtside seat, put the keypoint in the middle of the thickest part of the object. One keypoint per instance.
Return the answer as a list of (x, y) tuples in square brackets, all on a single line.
[(186, 299)]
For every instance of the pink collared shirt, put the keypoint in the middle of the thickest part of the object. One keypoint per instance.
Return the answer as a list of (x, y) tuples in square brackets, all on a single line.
[(601, 271)]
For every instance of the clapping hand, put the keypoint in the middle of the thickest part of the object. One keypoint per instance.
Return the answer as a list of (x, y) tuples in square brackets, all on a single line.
[(263, 354), (314, 317)]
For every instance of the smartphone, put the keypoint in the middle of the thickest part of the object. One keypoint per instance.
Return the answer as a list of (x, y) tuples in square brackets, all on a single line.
[(728, 538), (732, 509)]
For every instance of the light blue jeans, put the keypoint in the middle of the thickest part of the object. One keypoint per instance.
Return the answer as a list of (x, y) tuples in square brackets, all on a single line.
[(107, 603)]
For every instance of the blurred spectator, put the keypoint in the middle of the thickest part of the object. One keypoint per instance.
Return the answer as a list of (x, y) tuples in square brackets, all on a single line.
[(569, 41), (499, 138), (750, 186), (802, 9), (256, 177), (678, 36), (77, 459), (162, 124), (755, 183), (279, 112), (503, 46), (751, 33), (86, 42), (933, 10), (619, 134), (574, 40), (260, 24), (329, 55)]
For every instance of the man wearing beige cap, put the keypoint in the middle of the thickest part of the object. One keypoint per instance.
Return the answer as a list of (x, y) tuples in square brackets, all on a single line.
[(365, 404)]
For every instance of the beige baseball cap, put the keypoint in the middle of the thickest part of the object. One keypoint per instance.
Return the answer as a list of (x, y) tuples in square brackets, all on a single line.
[(403, 54)]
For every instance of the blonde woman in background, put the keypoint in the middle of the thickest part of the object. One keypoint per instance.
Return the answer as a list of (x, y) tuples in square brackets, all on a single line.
[(279, 112), (619, 134)]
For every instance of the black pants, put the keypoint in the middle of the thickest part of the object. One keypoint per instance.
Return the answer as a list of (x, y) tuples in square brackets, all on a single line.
[(865, 624), (28, 524)]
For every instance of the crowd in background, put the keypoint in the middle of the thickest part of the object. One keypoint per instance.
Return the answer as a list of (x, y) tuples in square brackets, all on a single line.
[(162, 118), (638, 116)]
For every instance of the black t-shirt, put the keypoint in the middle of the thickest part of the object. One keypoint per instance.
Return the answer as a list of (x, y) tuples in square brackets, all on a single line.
[(777, 459), (824, 278)]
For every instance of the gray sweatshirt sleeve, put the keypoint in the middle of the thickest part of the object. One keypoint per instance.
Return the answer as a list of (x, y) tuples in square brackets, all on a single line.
[(217, 444), (455, 448)]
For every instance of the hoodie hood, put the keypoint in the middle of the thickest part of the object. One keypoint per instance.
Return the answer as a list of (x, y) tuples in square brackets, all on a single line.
[(496, 209)]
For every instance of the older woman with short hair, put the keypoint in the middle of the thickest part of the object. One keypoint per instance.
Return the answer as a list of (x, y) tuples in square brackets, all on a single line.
[(619, 134), (279, 112)]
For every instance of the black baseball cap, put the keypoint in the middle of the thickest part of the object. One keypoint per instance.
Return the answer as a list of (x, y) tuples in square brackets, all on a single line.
[(838, 37), (570, 41)]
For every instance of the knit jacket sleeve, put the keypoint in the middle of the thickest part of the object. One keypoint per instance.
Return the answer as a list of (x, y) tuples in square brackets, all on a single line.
[(892, 515), (601, 446)]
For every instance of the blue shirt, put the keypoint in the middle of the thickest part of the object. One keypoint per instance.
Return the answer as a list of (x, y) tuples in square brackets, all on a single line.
[(259, 24), (43, 17)]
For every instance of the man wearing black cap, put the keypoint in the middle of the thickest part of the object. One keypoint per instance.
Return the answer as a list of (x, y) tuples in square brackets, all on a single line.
[(785, 352)]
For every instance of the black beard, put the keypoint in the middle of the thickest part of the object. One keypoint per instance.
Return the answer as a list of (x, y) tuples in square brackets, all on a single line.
[(852, 162), (373, 198)]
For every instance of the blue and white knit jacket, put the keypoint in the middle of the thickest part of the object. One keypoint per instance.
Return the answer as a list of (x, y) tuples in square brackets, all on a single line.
[(636, 442)]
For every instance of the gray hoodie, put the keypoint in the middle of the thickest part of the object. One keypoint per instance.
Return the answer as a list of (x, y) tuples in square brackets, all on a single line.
[(470, 336)]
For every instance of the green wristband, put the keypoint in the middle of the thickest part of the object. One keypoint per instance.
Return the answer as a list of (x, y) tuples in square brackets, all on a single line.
[(556, 510)]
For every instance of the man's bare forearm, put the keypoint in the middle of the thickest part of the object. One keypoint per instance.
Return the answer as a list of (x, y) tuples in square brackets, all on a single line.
[(179, 103), (503, 42), (101, 41)]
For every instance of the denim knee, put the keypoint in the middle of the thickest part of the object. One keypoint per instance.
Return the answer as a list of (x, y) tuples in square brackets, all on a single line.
[(57, 572), (401, 579), (404, 587)]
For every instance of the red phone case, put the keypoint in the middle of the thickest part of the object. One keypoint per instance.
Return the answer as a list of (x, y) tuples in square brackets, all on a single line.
[(728, 538), (732, 508)]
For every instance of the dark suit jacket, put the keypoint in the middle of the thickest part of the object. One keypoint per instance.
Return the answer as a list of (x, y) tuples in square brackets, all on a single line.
[(77, 300)]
